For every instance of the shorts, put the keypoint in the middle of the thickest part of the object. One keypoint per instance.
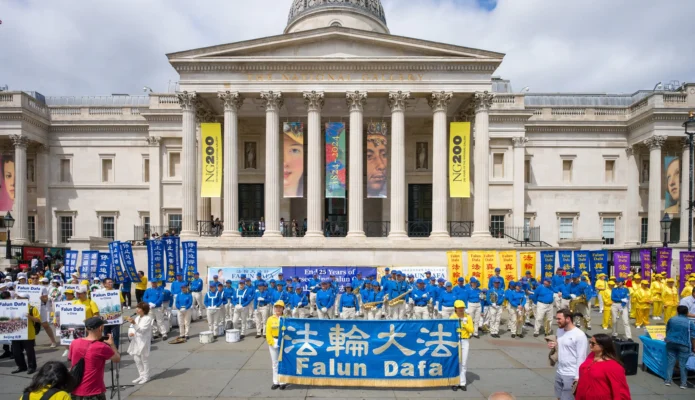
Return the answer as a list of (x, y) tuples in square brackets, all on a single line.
[(563, 387), (43, 314)]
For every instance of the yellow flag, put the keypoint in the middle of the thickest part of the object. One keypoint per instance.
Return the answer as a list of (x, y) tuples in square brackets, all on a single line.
[(508, 266), (528, 263), (490, 263), (211, 181), (475, 265), (459, 160), (455, 265)]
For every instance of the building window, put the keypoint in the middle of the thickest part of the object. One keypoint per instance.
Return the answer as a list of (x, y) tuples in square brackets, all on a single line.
[(65, 228), (174, 165), (146, 224), (497, 226), (527, 171), (32, 228), (107, 170), (610, 171), (31, 171), (527, 228), (108, 227), (567, 171), (644, 228), (175, 222), (609, 231), (65, 170), (146, 170), (566, 228)]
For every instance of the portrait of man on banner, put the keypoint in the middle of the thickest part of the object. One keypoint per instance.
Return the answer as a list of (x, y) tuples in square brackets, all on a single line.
[(672, 179), (377, 160), (293, 159)]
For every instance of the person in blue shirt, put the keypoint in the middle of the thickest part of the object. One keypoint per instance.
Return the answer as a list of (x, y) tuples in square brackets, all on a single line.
[(517, 301), (680, 335), (176, 285), (395, 289), (380, 300), (581, 294), (358, 282), (243, 306), (262, 302), (620, 296), (460, 289), (496, 278), (125, 292), (325, 300), (386, 277), (543, 297), (183, 304), (154, 297), (447, 298), (420, 298), (473, 305), (227, 299), (272, 287), (433, 290), (299, 302), (259, 280), (213, 305), (349, 304), (282, 294), (197, 293), (314, 287), (558, 279), (493, 306)]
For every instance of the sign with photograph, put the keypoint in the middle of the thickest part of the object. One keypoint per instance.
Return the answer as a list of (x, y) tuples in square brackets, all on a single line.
[(293, 159), (109, 304), (14, 324), (70, 321)]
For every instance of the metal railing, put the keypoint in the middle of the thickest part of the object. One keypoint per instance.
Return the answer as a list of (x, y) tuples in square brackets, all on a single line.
[(460, 228), (419, 228), (377, 228), (517, 233), (335, 228), (210, 228), (251, 228), (140, 231)]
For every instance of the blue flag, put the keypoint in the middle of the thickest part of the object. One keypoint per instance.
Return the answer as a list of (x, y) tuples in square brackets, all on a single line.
[(155, 260), (566, 260), (88, 264), (119, 275), (582, 262), (104, 267), (70, 263), (129, 262), (599, 263), (190, 259), (548, 260), (173, 258)]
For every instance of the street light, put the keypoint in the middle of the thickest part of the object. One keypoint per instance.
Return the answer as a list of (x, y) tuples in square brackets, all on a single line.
[(689, 126), (9, 223), (665, 226)]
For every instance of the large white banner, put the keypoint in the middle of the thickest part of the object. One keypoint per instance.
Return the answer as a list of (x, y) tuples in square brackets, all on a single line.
[(70, 321), (109, 303), (14, 324), (34, 293)]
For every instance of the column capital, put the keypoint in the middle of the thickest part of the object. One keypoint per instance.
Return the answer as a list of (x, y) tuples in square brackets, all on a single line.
[(685, 143), (439, 101), (483, 101), (630, 151), (356, 100), (187, 100), (19, 141), (467, 113), (398, 100), (273, 100), (203, 113), (231, 101), (519, 141), (655, 142), (43, 149), (314, 100), (153, 140)]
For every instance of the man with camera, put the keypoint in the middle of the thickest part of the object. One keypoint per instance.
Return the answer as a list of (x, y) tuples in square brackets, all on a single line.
[(96, 349)]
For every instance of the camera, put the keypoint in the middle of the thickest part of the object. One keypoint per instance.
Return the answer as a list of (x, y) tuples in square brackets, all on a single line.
[(103, 338)]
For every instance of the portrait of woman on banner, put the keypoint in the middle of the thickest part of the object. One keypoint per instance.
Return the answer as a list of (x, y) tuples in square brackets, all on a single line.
[(293, 159), (377, 160), (672, 168), (7, 186)]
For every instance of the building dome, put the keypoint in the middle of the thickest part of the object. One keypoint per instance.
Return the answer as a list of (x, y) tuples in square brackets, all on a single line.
[(357, 14)]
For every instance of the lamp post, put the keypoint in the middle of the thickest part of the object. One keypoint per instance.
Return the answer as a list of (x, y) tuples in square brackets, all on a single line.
[(689, 126), (665, 226), (9, 223)]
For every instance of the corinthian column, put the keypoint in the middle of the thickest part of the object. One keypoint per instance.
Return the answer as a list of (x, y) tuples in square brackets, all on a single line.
[(654, 216), (189, 168), (518, 203), (356, 101), (397, 102), (632, 221), (314, 103), (439, 101), (20, 189), (685, 192), (231, 101), (481, 205), (45, 218), (273, 104), (155, 194)]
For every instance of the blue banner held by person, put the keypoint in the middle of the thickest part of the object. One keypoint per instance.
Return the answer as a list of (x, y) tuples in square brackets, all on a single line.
[(190, 259), (171, 249), (155, 261), (599, 263), (119, 276), (70, 263), (565, 260), (129, 262), (582, 262), (88, 264), (548, 260), (423, 353), (105, 266)]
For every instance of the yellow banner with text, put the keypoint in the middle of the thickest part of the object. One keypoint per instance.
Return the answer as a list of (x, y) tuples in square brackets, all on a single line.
[(459, 160), (211, 181)]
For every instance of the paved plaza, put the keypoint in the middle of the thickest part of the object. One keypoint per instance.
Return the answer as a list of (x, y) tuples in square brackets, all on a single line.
[(242, 370)]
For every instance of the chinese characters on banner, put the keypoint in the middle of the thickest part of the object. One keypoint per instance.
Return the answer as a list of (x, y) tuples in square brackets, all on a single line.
[(190, 259), (377, 160), (582, 262), (88, 264), (118, 275), (663, 260), (369, 353), (508, 266), (645, 258), (565, 260), (599, 263), (455, 265), (105, 266), (548, 260), (70, 263), (335, 160), (687, 258), (475, 265), (155, 260), (459, 160), (621, 264), (129, 262), (173, 258), (528, 262), (489, 265)]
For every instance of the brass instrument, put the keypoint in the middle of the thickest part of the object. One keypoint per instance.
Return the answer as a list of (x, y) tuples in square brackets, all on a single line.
[(399, 299), (493, 297)]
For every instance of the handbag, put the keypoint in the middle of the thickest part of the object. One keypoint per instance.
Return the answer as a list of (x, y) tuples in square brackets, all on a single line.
[(77, 371)]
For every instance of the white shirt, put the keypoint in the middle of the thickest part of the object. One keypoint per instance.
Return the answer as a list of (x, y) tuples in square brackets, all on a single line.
[(572, 347), (690, 303)]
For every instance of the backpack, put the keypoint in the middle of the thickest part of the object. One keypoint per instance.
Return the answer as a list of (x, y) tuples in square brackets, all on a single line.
[(46, 396), (37, 325), (77, 371)]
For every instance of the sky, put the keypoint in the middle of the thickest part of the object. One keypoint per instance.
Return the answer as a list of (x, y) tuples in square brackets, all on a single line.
[(86, 47)]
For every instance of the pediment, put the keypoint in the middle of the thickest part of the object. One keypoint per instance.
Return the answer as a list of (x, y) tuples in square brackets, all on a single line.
[(335, 43)]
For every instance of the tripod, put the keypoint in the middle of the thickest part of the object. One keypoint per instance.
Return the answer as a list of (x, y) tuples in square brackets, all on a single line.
[(116, 386)]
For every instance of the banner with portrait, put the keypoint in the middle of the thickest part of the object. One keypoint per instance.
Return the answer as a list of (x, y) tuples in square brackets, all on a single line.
[(454, 260), (70, 321), (14, 324), (7, 188), (211, 147), (459, 160), (377, 156), (109, 304), (672, 183), (621, 264), (548, 260), (335, 161), (508, 266), (384, 354), (293, 159)]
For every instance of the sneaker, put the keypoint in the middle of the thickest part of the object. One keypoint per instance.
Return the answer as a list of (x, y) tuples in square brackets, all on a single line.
[(513, 336), (137, 380), (667, 383), (65, 353), (164, 337), (54, 345), (684, 387)]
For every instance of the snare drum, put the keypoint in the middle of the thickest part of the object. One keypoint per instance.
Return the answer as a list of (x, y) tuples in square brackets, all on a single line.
[(232, 335), (206, 337)]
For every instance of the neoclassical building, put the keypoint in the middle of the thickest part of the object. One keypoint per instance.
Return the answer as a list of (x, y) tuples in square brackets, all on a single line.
[(549, 169)]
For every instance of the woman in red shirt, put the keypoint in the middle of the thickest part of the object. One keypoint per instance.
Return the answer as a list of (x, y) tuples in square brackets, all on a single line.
[(601, 375)]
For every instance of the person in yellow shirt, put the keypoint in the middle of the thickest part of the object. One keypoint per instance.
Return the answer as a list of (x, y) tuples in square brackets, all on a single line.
[(688, 288), (642, 301), (272, 335), (21, 346), (670, 298), (466, 330), (90, 307), (636, 283), (53, 380), (657, 289), (600, 286), (606, 302), (140, 287)]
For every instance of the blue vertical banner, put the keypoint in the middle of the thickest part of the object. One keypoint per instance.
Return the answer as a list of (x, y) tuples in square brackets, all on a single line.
[(582, 262), (548, 260), (104, 267), (173, 259), (118, 275), (88, 264), (129, 262), (70, 263), (565, 260), (190, 259), (387, 354), (93, 262), (155, 260), (599, 263)]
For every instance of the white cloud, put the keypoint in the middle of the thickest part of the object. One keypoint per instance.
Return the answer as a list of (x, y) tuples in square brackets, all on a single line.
[(73, 47)]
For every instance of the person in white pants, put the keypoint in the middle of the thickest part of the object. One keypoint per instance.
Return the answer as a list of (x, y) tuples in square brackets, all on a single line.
[(243, 300), (348, 304), (261, 302), (543, 297), (184, 303), (466, 330), (213, 304), (140, 334), (620, 296), (153, 297), (272, 337), (197, 292)]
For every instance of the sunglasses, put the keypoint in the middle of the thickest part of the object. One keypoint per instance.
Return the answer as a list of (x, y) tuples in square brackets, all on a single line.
[(592, 343)]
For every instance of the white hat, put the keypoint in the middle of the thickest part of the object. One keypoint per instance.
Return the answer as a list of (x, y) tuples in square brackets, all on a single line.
[(21, 275), (44, 280), (56, 281), (8, 278), (75, 275), (3, 286), (81, 289), (96, 278)]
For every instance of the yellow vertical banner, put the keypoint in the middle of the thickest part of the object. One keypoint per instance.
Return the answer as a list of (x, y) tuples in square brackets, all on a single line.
[(490, 263), (455, 265), (508, 266), (528, 262), (459, 160), (211, 181), (475, 265)]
